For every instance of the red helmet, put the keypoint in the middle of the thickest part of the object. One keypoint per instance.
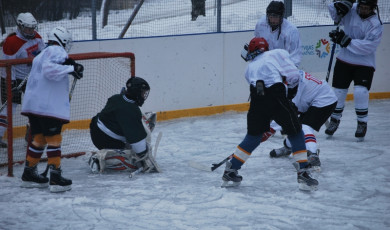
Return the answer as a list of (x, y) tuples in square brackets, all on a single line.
[(259, 44)]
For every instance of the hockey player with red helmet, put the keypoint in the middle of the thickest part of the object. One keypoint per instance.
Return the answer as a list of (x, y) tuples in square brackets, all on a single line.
[(356, 60), (266, 72)]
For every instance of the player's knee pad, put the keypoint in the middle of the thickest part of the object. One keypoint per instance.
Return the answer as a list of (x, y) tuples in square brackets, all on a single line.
[(39, 140), (361, 96), (54, 140)]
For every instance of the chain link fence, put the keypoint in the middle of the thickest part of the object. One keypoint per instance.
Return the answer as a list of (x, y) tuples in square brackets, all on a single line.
[(111, 19)]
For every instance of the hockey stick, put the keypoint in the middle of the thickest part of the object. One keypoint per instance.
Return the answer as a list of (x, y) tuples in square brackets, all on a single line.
[(72, 89), (202, 167), (330, 64)]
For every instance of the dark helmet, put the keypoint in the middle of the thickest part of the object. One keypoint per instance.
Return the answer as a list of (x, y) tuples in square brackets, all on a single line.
[(372, 3), (137, 89), (276, 7)]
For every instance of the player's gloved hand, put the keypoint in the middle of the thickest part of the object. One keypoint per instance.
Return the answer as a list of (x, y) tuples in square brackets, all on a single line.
[(69, 61), (340, 38), (343, 7), (78, 71)]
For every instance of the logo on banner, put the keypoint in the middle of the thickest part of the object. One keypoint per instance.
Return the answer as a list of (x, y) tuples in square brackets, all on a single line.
[(322, 48)]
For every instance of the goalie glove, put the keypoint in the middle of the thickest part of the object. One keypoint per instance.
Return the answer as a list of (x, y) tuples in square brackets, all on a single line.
[(340, 38), (343, 7), (78, 71)]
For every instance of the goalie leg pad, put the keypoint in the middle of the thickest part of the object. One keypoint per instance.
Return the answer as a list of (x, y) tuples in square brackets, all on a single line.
[(113, 159)]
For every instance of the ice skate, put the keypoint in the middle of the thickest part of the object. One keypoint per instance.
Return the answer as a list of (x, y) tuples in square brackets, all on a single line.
[(57, 182), (305, 182), (281, 152), (31, 178), (361, 131), (230, 176), (313, 160), (333, 125)]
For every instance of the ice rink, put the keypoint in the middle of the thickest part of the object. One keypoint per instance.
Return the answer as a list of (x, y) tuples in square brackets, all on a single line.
[(354, 190)]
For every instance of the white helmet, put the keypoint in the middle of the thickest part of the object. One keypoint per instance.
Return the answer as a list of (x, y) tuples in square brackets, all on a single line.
[(62, 36), (27, 25)]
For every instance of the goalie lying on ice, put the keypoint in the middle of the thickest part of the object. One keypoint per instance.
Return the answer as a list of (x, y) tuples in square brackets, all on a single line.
[(122, 133)]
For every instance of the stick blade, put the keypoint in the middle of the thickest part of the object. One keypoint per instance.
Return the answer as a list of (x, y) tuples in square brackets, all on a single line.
[(199, 166)]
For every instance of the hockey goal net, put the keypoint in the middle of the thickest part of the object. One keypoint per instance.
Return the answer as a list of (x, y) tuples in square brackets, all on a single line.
[(104, 75)]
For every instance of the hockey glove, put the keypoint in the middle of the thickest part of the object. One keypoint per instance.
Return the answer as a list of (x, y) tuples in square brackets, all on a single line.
[(343, 7), (69, 61), (78, 71), (340, 38)]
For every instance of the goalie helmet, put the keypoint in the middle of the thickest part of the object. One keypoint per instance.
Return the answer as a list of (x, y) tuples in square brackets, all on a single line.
[(61, 36), (137, 89), (275, 9), (27, 25)]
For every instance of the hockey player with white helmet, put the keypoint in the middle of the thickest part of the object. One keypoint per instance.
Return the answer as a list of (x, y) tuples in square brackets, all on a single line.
[(356, 60), (24, 43), (315, 101), (279, 32), (46, 104), (122, 133), (266, 72)]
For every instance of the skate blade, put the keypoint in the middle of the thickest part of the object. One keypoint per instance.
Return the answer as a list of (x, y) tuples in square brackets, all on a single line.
[(360, 139), (29, 184), (58, 188), (316, 168), (226, 184), (305, 187), (329, 137)]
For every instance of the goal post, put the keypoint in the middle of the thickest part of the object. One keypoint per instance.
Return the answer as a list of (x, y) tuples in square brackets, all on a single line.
[(105, 73)]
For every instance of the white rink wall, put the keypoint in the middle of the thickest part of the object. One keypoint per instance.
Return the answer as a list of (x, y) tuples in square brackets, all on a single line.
[(203, 70)]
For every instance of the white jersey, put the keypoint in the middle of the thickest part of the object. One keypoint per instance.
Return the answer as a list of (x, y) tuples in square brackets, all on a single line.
[(16, 46), (270, 67), (366, 35), (313, 92), (288, 39), (47, 90)]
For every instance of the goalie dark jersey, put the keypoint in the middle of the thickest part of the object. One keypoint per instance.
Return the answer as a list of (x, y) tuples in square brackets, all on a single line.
[(120, 119)]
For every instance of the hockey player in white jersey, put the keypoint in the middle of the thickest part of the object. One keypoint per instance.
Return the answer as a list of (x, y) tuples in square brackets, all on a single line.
[(315, 101), (47, 106), (279, 32), (356, 60), (265, 75), (122, 133)]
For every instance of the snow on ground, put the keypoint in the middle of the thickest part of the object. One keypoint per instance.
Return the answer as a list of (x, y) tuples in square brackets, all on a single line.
[(354, 190)]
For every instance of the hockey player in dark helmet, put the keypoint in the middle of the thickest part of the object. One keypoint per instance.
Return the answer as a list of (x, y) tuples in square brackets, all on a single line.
[(122, 133), (275, 14), (366, 8), (359, 40), (279, 32), (137, 89)]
